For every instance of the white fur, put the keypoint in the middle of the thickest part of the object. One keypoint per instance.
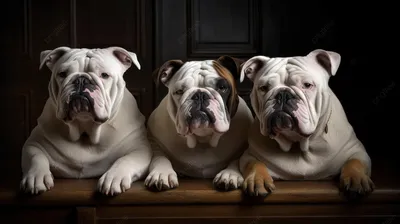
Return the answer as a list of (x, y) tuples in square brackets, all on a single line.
[(203, 154), (230, 177), (192, 77), (332, 141), (118, 149)]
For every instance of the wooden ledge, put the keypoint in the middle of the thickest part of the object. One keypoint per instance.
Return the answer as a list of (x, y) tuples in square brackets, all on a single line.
[(82, 192)]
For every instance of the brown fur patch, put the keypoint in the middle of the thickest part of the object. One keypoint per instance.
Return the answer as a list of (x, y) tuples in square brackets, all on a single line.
[(256, 167), (352, 167), (355, 182), (233, 101), (354, 178), (257, 180)]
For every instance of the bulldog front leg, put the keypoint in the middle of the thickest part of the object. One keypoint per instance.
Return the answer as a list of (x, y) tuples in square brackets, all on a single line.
[(229, 178), (257, 180), (355, 181), (37, 177), (161, 174), (125, 171)]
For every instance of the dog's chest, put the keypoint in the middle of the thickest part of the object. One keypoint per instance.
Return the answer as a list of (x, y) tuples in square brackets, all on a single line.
[(320, 161), (82, 158), (203, 161)]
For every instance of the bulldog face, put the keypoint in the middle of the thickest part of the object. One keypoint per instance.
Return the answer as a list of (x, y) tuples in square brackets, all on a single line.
[(202, 96), (87, 84), (288, 93)]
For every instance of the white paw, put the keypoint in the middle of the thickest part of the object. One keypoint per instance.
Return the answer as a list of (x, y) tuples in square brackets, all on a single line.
[(162, 180), (228, 179), (114, 182), (37, 181)]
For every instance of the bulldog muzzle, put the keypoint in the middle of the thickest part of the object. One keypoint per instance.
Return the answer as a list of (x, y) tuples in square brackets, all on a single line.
[(80, 100), (282, 117), (199, 112)]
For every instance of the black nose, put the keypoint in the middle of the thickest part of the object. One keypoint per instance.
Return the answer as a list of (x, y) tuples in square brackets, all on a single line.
[(284, 96), (199, 95), (80, 82)]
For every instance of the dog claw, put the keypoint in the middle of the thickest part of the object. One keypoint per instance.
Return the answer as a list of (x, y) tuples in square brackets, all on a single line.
[(228, 179), (355, 187)]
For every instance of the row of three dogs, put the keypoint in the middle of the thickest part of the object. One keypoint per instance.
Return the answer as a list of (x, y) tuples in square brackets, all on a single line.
[(91, 126)]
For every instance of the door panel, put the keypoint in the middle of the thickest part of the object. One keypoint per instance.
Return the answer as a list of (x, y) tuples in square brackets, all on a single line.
[(200, 30), (214, 31)]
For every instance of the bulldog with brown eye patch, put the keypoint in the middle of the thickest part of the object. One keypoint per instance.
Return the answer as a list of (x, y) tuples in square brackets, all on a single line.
[(301, 131), (200, 127)]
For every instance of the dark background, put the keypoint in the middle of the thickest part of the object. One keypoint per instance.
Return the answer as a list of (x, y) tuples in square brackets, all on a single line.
[(363, 34)]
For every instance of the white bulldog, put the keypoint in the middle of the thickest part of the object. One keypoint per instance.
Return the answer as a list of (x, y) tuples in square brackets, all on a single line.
[(200, 128), (301, 131), (90, 125)]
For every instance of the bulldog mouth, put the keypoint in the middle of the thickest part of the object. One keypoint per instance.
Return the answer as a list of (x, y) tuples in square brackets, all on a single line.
[(202, 118), (280, 120), (79, 104), (206, 115)]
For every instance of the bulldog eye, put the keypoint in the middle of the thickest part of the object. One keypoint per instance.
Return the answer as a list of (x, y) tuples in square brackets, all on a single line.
[(263, 88), (105, 75), (222, 88), (62, 74), (307, 85), (179, 92)]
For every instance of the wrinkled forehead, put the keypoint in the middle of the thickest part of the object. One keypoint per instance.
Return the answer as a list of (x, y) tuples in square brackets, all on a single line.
[(198, 72), (87, 60), (287, 67)]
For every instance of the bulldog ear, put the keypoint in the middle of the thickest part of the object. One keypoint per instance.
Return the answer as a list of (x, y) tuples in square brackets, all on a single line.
[(329, 60), (252, 66), (125, 57), (166, 71), (232, 64), (233, 104), (50, 57)]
